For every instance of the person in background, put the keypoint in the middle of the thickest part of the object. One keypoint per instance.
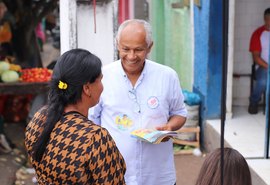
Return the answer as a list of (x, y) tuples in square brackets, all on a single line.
[(236, 170), (7, 23), (63, 145), (259, 47), (5, 49), (141, 94), (41, 37), (6, 145)]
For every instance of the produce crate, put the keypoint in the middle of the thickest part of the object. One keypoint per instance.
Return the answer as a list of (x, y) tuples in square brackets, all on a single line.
[(195, 143)]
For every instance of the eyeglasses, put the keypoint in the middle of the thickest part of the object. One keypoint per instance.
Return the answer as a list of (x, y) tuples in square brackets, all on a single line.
[(132, 95)]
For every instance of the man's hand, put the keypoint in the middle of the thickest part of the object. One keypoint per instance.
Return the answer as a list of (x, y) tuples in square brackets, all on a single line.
[(164, 127), (258, 59), (175, 122)]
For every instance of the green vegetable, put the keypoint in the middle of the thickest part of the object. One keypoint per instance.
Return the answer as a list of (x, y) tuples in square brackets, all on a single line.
[(10, 76), (3, 66)]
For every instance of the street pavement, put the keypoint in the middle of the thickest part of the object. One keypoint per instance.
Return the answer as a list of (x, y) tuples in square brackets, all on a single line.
[(187, 168), (11, 162)]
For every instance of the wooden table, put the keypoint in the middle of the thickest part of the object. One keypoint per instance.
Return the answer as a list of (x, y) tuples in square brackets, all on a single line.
[(18, 88)]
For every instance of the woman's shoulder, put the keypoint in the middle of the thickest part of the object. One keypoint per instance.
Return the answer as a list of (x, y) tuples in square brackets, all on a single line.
[(94, 131), (39, 117), (82, 123)]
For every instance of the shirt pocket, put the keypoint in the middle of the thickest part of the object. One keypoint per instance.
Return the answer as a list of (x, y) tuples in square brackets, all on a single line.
[(156, 111)]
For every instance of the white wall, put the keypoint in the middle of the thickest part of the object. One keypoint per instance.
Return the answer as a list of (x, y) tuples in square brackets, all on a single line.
[(68, 25), (100, 43), (77, 28), (248, 16)]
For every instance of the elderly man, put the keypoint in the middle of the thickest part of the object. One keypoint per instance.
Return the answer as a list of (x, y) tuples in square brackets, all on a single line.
[(139, 93)]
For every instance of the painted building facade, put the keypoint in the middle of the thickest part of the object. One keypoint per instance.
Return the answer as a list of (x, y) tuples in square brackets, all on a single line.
[(172, 32)]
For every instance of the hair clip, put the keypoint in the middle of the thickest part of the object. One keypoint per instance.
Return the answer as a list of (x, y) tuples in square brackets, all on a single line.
[(62, 85)]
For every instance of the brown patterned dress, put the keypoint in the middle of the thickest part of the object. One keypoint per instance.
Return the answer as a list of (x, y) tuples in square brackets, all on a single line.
[(78, 152)]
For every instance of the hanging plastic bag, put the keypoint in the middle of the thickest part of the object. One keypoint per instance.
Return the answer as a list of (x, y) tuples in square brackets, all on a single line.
[(191, 98)]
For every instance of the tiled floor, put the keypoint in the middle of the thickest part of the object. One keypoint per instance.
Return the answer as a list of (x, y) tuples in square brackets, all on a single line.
[(246, 133)]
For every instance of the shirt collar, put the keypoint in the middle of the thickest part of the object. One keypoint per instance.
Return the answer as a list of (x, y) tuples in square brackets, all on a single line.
[(143, 71)]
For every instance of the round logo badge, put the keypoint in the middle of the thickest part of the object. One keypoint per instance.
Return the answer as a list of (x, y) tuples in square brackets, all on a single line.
[(153, 102)]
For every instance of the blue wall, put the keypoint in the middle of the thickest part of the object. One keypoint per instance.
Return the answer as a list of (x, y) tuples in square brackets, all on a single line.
[(208, 57)]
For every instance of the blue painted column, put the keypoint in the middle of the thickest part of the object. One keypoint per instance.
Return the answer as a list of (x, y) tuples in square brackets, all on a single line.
[(208, 57)]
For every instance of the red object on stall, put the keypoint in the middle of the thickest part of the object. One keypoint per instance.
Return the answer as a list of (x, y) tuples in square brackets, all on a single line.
[(36, 75)]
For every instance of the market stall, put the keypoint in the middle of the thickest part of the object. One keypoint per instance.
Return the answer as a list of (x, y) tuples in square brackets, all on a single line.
[(18, 87)]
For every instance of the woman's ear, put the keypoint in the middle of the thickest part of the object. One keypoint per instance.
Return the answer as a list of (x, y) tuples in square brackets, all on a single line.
[(87, 89)]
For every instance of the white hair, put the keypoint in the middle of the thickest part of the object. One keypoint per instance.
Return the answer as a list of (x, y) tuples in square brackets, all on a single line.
[(145, 24)]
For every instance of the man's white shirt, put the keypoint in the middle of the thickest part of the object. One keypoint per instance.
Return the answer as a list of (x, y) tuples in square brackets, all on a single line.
[(156, 96)]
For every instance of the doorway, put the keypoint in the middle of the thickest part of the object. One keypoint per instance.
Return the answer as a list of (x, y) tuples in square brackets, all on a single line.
[(245, 17)]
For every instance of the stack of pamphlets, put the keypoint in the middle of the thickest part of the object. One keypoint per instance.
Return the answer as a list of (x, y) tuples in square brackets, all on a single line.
[(152, 135)]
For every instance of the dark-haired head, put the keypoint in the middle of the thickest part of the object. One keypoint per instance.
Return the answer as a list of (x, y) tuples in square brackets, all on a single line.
[(74, 68), (267, 18), (76, 71), (236, 170), (266, 12)]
